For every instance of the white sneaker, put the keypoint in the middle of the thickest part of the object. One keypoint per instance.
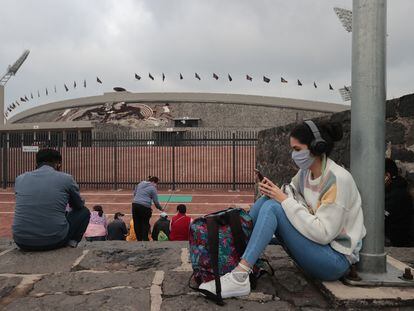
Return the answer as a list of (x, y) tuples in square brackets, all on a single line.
[(230, 287)]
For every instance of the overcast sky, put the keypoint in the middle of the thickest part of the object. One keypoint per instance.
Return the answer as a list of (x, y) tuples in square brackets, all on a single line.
[(75, 40)]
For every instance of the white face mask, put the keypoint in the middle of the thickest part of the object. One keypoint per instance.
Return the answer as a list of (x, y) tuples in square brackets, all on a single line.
[(303, 159)]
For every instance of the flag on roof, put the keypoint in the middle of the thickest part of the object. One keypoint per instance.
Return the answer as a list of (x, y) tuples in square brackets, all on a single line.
[(55, 88), (74, 84), (38, 93), (346, 88), (330, 87), (314, 85), (150, 76), (22, 99), (230, 78), (215, 76), (299, 83), (84, 83), (163, 77), (137, 77), (66, 88), (31, 95), (47, 93), (249, 78), (283, 80), (98, 80), (197, 76), (181, 76), (25, 97), (266, 79)]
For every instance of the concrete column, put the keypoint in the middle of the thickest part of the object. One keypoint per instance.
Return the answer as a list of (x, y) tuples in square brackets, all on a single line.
[(2, 106), (368, 124)]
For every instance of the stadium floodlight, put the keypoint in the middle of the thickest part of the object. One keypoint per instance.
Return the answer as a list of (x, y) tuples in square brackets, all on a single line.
[(345, 16), (12, 70), (346, 93)]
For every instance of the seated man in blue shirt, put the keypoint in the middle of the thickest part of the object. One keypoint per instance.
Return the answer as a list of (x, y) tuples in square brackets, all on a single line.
[(41, 222)]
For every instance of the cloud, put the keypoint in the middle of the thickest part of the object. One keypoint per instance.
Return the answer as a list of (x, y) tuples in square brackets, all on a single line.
[(76, 40)]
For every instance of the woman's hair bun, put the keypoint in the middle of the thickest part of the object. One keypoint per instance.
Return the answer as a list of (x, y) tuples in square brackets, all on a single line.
[(334, 130)]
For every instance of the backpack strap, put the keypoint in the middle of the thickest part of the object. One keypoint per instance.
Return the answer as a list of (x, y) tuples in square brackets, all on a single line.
[(208, 294), (239, 238), (213, 245)]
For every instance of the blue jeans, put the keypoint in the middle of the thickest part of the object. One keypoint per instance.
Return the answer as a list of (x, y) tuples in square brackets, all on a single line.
[(319, 261)]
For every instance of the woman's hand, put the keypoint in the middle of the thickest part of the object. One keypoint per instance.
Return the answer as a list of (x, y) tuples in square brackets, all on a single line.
[(269, 189)]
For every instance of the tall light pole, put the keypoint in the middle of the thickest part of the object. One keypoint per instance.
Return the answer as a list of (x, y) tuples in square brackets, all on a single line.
[(11, 71), (368, 124)]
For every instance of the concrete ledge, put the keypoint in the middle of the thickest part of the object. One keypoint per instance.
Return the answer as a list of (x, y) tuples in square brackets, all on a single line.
[(353, 296)]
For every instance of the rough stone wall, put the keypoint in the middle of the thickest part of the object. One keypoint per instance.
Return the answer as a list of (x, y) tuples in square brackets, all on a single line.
[(274, 153)]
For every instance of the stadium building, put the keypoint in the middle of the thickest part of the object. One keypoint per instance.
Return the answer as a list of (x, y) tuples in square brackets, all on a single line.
[(118, 138)]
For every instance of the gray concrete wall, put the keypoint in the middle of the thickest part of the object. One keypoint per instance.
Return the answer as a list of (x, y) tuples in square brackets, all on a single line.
[(211, 115), (226, 116), (249, 100)]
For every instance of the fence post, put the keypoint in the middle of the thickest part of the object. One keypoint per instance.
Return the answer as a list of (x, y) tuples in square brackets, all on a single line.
[(4, 162), (234, 161), (173, 161), (115, 164)]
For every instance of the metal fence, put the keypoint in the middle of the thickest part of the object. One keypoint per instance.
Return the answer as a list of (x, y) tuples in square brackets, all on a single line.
[(181, 159)]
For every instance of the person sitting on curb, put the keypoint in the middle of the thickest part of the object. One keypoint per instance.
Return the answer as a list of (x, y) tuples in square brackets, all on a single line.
[(161, 225), (398, 208), (97, 228), (41, 221), (117, 229), (180, 225), (322, 233)]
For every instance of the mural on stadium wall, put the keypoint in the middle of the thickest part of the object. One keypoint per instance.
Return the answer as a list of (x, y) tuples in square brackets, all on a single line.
[(121, 113)]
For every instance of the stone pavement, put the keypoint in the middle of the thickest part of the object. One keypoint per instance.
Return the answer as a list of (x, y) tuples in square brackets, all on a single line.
[(144, 276)]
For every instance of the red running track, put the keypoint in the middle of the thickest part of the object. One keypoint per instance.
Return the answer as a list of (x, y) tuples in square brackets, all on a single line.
[(203, 202)]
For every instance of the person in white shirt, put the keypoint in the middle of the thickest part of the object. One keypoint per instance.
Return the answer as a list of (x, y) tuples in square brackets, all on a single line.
[(318, 218)]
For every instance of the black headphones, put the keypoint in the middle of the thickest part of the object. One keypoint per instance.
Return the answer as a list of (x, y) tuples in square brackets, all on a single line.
[(318, 145)]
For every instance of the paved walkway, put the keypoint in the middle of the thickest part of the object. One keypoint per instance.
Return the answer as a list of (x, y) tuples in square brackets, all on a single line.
[(141, 276)]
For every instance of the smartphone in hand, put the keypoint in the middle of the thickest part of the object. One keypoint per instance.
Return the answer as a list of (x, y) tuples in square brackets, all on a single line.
[(259, 175)]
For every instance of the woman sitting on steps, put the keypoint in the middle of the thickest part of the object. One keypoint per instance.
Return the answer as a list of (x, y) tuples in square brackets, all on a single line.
[(322, 233)]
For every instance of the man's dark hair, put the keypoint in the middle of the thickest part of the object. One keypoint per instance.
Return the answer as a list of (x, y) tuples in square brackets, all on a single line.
[(391, 167), (182, 209), (153, 179), (48, 156)]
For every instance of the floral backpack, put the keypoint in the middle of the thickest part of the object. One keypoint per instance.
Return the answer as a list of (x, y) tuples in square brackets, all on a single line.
[(217, 241)]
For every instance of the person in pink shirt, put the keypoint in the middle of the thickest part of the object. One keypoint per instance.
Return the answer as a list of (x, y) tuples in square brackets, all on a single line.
[(97, 228)]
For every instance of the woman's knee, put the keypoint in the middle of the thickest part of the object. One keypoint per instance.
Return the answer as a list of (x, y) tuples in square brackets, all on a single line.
[(271, 206)]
